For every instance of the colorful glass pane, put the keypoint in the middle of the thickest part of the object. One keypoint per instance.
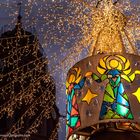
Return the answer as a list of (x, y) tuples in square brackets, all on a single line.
[(103, 77), (115, 101), (71, 78), (80, 84), (110, 91), (75, 82), (107, 98), (126, 78), (109, 114), (95, 77), (121, 100), (121, 89), (74, 112), (77, 87), (68, 117), (122, 110), (127, 71), (116, 116), (137, 94), (130, 116), (72, 94), (74, 121), (78, 124), (74, 100), (100, 70), (70, 130), (125, 96), (88, 74), (113, 70)]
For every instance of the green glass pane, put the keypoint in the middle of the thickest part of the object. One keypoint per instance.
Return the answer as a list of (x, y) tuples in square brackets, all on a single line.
[(74, 121), (72, 93), (109, 114), (116, 117), (122, 110), (108, 98), (95, 77), (125, 96), (103, 77), (112, 82), (109, 90), (130, 116), (66, 128), (115, 91), (117, 81)]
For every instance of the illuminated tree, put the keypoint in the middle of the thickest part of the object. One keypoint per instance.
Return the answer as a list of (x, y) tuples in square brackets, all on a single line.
[(27, 91)]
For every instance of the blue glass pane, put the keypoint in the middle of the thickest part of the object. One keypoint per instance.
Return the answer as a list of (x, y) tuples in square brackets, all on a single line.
[(81, 83), (69, 98), (114, 72), (103, 109), (121, 89), (68, 117), (69, 106), (121, 100), (113, 106), (77, 87)]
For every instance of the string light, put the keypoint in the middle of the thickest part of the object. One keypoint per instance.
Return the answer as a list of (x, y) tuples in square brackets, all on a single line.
[(25, 81)]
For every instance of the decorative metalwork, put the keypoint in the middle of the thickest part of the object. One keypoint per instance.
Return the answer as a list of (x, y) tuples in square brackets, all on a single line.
[(113, 85)]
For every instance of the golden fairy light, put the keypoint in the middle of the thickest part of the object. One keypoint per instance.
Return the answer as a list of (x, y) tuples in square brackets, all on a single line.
[(26, 87)]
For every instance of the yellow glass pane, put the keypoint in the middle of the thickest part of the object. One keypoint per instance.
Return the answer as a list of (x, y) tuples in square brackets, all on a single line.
[(100, 70), (132, 77), (66, 91), (71, 78), (67, 84), (125, 77), (119, 66), (137, 94), (122, 58), (127, 71), (108, 66), (114, 63), (78, 70), (105, 58), (78, 79), (102, 63), (137, 72), (127, 64), (88, 74)]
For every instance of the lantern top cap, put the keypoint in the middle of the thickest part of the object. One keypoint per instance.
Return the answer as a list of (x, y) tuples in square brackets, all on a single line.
[(110, 26)]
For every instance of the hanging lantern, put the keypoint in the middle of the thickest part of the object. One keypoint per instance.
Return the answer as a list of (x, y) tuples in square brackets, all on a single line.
[(103, 90)]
